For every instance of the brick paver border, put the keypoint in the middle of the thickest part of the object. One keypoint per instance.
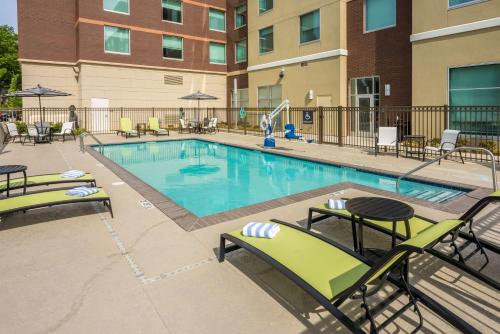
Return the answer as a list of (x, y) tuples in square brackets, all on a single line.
[(190, 222)]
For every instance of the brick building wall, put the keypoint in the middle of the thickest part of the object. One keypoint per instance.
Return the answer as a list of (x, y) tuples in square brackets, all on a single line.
[(386, 53)]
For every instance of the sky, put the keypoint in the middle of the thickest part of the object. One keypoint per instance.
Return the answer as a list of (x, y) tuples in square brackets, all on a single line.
[(8, 13)]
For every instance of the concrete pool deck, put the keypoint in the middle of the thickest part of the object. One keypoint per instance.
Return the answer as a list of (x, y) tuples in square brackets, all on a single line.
[(73, 269)]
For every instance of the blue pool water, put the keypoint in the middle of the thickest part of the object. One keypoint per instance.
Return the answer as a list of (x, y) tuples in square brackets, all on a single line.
[(207, 178)]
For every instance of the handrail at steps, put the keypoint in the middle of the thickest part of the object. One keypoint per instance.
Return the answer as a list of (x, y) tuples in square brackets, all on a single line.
[(462, 148), (82, 143)]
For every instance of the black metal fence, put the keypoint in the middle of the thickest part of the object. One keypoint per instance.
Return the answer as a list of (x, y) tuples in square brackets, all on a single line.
[(343, 126)]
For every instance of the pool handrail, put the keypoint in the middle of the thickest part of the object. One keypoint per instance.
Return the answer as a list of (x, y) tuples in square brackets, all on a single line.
[(456, 149)]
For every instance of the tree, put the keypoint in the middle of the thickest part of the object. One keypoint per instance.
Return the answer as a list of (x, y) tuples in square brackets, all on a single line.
[(9, 64), (14, 101)]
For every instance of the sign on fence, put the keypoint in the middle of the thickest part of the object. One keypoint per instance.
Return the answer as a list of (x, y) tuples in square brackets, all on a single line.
[(307, 117), (243, 113)]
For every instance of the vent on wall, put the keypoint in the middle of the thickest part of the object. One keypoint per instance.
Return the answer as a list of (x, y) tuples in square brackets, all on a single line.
[(173, 79)]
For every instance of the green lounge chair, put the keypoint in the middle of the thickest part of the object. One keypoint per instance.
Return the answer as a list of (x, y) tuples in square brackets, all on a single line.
[(418, 225), (48, 199), (126, 128), (45, 180), (154, 126), (332, 273)]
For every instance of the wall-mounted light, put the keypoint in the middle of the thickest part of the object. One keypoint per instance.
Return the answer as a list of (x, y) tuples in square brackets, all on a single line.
[(282, 73), (310, 94)]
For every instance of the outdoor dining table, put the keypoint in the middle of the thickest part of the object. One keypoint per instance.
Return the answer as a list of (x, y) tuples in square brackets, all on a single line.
[(11, 169), (381, 209)]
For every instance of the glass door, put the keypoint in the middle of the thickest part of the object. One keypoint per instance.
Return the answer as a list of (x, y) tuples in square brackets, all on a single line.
[(364, 120)]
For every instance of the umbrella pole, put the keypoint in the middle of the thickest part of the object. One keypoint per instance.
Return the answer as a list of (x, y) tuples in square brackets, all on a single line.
[(40, 106), (198, 110)]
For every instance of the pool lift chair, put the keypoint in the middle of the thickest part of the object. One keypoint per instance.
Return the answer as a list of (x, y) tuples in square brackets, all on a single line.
[(267, 125)]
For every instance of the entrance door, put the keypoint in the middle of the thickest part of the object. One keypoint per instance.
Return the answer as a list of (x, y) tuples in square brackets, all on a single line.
[(365, 120), (100, 115)]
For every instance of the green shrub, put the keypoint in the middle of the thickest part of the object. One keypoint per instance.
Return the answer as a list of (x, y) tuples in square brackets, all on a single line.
[(488, 144), (462, 142), (56, 127), (435, 142), (21, 127), (79, 131)]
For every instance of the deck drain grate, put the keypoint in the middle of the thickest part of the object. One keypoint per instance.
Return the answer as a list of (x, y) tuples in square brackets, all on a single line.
[(146, 204)]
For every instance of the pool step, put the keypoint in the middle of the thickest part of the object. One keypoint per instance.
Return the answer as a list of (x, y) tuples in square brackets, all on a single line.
[(434, 196)]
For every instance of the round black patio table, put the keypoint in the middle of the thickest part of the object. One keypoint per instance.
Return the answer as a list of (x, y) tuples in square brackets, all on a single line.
[(381, 209), (11, 169)]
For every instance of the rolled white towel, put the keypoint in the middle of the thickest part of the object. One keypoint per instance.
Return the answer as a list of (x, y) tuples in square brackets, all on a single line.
[(82, 191), (336, 204), (72, 174), (260, 230)]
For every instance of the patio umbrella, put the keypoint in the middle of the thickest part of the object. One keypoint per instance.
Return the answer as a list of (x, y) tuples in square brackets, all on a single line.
[(199, 96), (39, 92)]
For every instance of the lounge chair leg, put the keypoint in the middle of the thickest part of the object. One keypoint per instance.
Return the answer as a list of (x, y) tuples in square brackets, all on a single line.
[(455, 247), (222, 249), (478, 244), (364, 305), (462, 158), (413, 301), (108, 204), (309, 219), (354, 234)]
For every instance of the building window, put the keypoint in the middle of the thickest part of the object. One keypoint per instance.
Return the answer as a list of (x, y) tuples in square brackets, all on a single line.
[(241, 51), (217, 53), (240, 99), (461, 3), (216, 19), (172, 10), (475, 86), (172, 47), (118, 6), (240, 18), (269, 96), (116, 40), (379, 14), (265, 5), (310, 27), (266, 40)]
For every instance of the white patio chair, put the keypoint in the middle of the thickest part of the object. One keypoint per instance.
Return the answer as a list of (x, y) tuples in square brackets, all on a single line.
[(448, 142), (34, 134), (211, 126), (13, 133), (66, 129), (387, 137), (183, 126)]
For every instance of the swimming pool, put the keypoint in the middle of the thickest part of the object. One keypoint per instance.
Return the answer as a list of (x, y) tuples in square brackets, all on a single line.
[(208, 178)]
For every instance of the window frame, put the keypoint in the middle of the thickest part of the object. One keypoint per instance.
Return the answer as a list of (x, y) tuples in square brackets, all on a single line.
[(114, 11), (270, 99), (378, 29), (116, 52), (300, 32), (225, 54), (236, 51), (236, 14), (470, 3), (173, 22), (182, 48), (225, 19), (266, 11), (258, 36)]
